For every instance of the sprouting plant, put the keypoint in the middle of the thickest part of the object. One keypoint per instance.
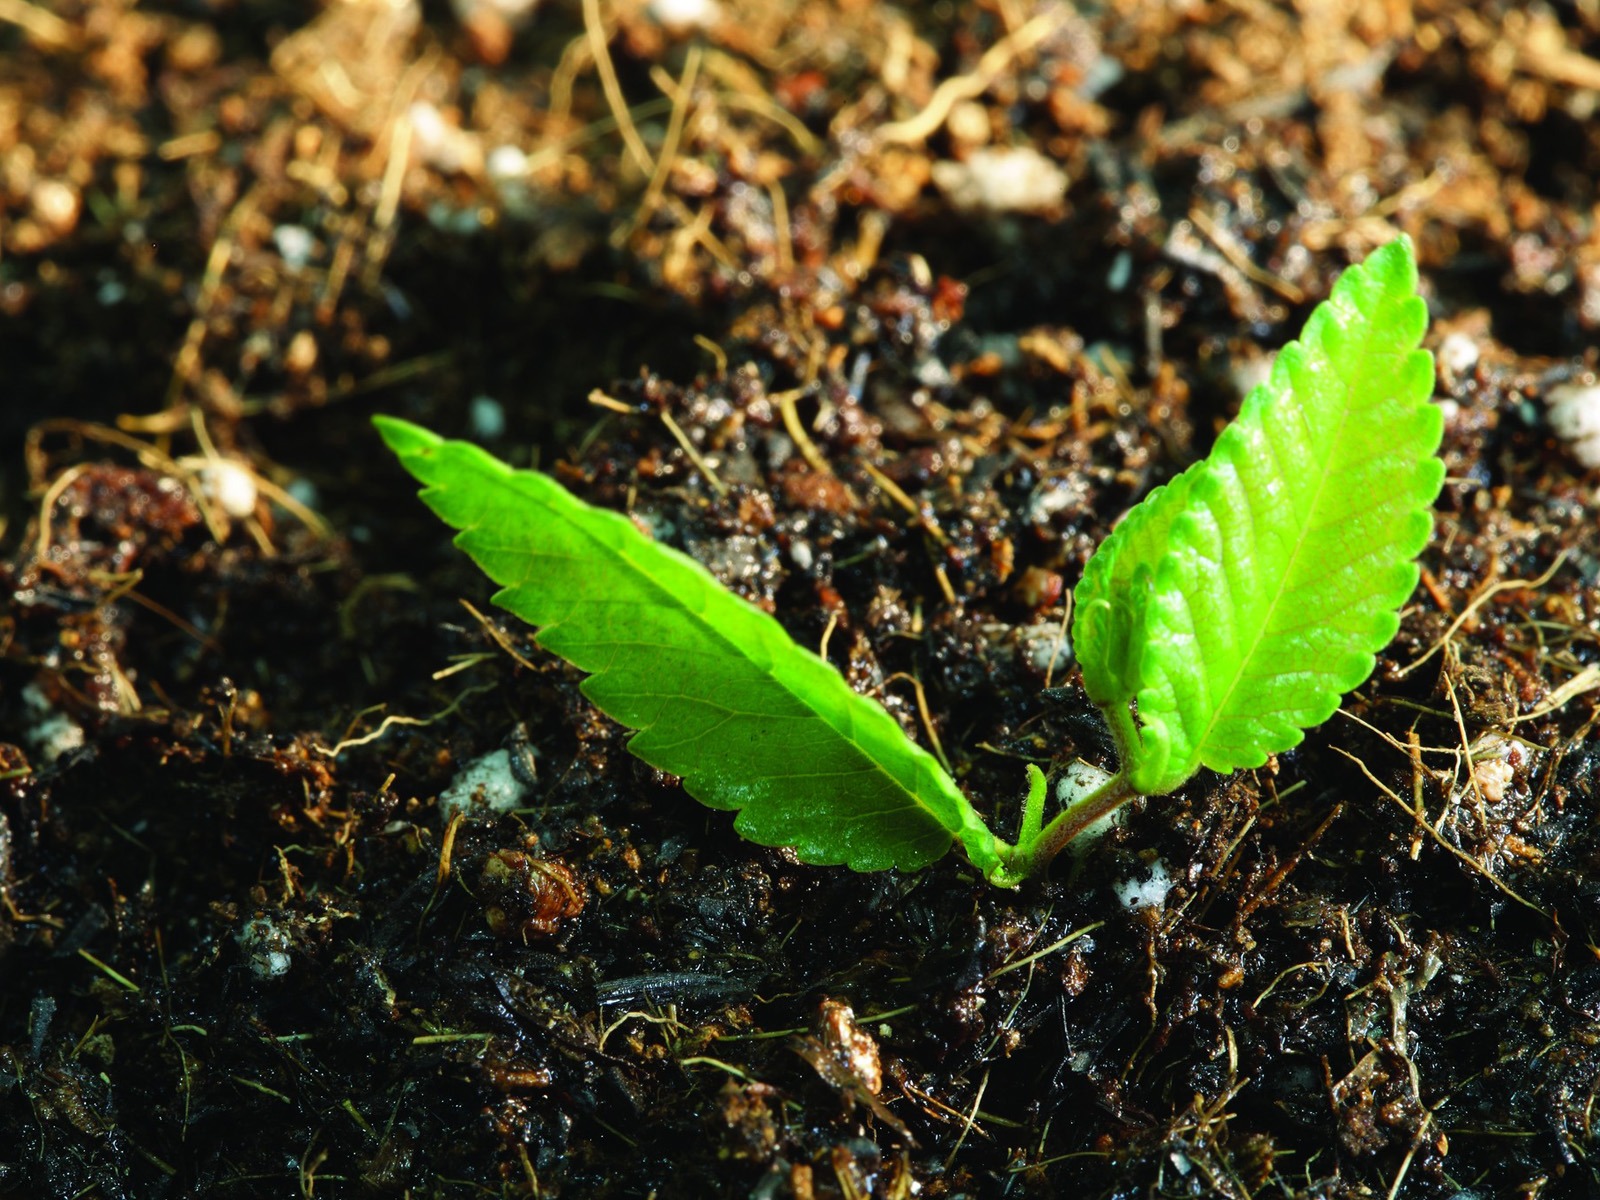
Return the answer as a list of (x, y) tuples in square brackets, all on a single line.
[(1225, 615)]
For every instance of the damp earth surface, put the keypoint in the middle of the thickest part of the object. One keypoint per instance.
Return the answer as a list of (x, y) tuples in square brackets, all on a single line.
[(318, 877)]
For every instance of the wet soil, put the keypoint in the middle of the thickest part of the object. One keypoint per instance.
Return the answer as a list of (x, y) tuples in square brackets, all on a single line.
[(886, 315)]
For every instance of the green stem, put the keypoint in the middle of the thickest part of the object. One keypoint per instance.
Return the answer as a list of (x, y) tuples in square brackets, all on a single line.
[(1031, 855), (1124, 731), (1032, 807)]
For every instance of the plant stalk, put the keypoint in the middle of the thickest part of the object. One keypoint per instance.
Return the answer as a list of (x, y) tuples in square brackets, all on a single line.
[(1031, 855)]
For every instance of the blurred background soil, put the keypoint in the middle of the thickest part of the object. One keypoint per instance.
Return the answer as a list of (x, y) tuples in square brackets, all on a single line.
[(317, 877)]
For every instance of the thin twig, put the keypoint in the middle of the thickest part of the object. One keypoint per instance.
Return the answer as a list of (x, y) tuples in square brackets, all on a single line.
[(389, 722), (1061, 639), (797, 431), (970, 1118), (594, 26), (1474, 863), (1045, 953), (497, 636), (694, 455), (995, 61), (1477, 602), (669, 150), (1234, 254), (927, 716), (1586, 680), (41, 25)]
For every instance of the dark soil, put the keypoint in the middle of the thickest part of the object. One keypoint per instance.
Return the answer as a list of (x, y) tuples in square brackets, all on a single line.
[(767, 295)]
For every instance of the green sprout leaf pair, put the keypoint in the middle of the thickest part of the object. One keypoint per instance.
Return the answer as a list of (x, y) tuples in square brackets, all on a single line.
[(1226, 614)]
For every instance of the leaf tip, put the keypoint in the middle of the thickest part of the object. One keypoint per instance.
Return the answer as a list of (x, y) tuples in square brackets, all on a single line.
[(405, 438), (1394, 266)]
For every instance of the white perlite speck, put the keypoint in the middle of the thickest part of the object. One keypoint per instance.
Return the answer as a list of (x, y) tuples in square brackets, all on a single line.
[(267, 944), (1002, 179), (232, 486), (1150, 892), (685, 15), (487, 784), (1573, 410), (487, 418), (53, 733), (295, 244), (1045, 647), (1457, 354)]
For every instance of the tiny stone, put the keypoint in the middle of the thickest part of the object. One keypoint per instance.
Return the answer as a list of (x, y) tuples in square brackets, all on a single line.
[(1150, 892), (1002, 179), (1249, 372), (506, 164), (267, 944), (301, 355), (295, 244), (302, 489), (1045, 647), (968, 123), (488, 785), (443, 146), (1573, 410), (52, 733), (56, 205), (486, 418), (231, 486), (1121, 271), (1458, 354), (685, 15)]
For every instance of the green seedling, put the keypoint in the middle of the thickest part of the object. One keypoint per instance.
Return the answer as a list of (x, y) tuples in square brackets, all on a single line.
[(1226, 614)]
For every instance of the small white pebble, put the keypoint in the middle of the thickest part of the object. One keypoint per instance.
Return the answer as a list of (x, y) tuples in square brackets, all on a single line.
[(295, 244), (486, 417), (685, 15), (1458, 354), (1045, 647), (968, 124), (1121, 272), (443, 146), (1150, 892), (513, 12), (506, 164), (1573, 410), (52, 733), (800, 553), (267, 944), (231, 486), (1494, 766), (1055, 494), (486, 784), (56, 735), (1002, 179), (56, 205), (300, 355), (303, 490), (1495, 778)]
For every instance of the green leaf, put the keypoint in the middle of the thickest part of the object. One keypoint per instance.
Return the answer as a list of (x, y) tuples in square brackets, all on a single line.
[(1236, 605), (716, 689)]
